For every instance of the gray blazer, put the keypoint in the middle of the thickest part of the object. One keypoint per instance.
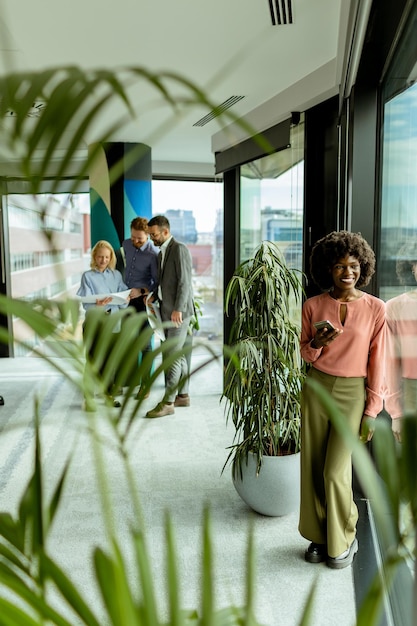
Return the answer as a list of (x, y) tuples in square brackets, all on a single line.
[(175, 280)]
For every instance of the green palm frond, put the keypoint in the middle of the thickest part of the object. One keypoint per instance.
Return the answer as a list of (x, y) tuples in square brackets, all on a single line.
[(34, 578)]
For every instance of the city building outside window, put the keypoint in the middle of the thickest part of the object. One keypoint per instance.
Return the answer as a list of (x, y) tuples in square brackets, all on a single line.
[(195, 212)]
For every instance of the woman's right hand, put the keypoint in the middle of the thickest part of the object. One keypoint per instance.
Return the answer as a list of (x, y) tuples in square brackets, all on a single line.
[(325, 337)]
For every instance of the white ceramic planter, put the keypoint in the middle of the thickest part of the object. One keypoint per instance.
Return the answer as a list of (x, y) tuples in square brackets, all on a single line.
[(276, 489)]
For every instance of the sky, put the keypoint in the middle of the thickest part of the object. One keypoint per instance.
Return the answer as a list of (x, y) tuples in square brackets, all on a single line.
[(399, 189), (205, 198), (202, 198)]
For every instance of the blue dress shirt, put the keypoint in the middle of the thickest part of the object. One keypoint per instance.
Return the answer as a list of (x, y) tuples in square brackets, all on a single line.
[(141, 265)]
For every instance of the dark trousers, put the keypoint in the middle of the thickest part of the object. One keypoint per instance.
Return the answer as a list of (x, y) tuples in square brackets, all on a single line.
[(138, 304), (91, 356)]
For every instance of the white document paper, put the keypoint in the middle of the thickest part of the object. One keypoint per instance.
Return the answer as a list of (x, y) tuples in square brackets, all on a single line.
[(154, 317), (121, 297)]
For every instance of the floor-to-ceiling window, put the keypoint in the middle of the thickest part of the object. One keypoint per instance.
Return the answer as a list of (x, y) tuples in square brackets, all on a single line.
[(195, 212), (399, 193), (398, 244), (41, 270), (41, 266)]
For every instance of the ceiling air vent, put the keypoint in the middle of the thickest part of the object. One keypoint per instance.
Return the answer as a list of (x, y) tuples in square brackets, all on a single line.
[(281, 12), (218, 110)]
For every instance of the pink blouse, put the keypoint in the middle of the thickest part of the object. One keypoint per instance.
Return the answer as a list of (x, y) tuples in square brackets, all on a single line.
[(358, 352)]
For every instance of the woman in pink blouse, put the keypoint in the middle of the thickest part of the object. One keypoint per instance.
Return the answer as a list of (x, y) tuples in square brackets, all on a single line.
[(347, 358)]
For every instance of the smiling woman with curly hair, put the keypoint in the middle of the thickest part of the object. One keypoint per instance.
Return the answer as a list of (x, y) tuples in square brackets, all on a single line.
[(343, 340), (335, 246)]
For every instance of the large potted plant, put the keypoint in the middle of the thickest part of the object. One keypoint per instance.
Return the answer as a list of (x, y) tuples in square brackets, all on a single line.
[(263, 383)]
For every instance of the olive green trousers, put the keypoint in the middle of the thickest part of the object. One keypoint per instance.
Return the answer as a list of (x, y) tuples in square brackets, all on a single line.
[(328, 514)]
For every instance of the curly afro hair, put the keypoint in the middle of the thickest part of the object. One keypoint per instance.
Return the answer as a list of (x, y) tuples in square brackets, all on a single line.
[(337, 245), (407, 257)]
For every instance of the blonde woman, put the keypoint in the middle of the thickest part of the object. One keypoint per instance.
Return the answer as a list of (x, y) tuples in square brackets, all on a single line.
[(101, 279)]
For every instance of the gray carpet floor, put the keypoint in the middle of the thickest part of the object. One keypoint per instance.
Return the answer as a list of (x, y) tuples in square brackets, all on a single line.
[(177, 465)]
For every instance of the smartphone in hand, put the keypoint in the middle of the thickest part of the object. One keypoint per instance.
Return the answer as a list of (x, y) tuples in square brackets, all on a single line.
[(324, 324)]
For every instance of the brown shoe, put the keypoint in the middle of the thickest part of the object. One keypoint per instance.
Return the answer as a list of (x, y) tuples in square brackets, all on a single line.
[(182, 400), (161, 410), (142, 395)]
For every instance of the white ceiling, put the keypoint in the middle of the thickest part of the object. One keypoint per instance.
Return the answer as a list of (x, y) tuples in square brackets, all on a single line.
[(227, 47)]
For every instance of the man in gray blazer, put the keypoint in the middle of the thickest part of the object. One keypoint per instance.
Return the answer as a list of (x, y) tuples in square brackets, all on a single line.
[(175, 296)]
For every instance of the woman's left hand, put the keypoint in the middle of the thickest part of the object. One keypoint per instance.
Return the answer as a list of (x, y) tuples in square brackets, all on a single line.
[(104, 301), (367, 428)]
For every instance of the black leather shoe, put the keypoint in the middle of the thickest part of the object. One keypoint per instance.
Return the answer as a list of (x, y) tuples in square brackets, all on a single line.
[(316, 553), (114, 402)]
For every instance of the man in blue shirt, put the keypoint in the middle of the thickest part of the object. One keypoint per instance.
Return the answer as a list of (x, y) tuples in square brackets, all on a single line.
[(141, 269)]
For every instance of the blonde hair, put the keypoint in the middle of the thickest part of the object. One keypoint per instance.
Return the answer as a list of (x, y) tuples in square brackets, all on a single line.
[(103, 244)]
